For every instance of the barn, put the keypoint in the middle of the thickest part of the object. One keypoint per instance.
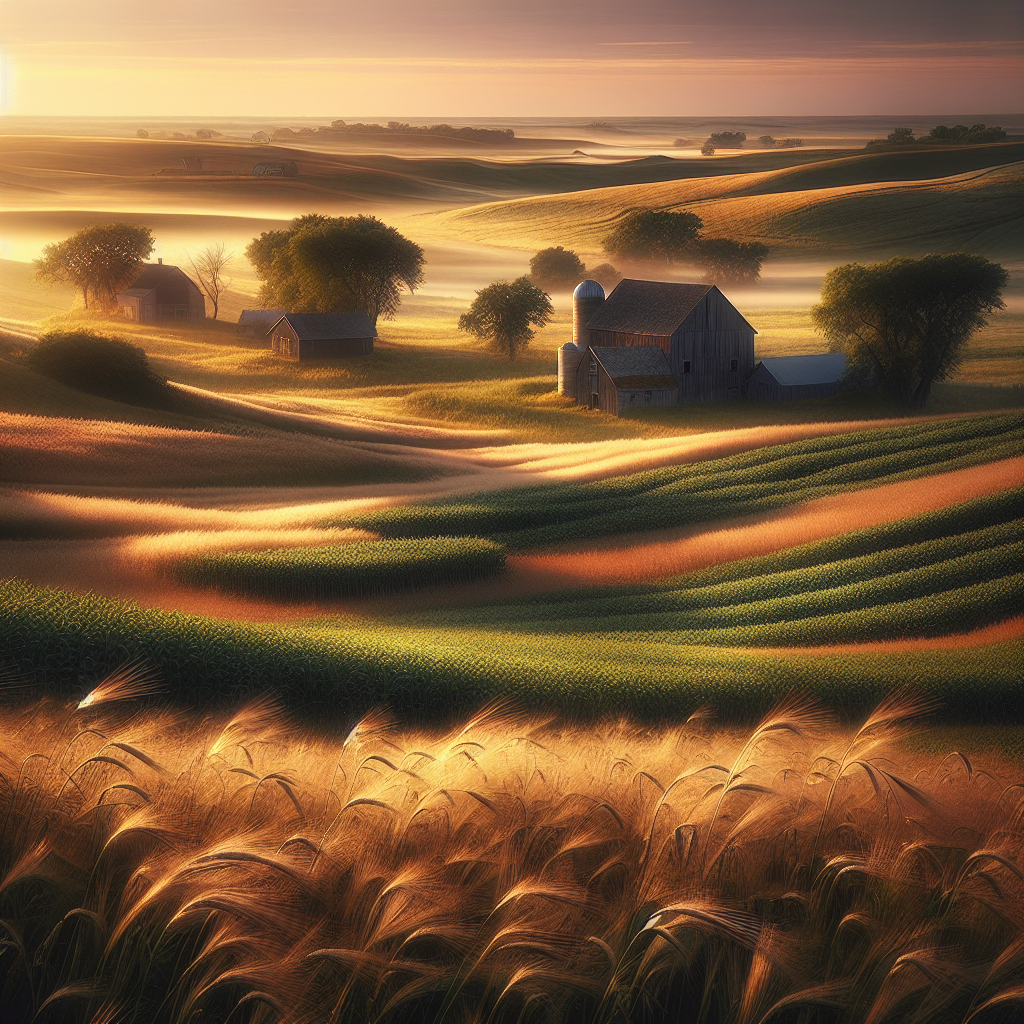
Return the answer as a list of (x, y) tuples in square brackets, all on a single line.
[(256, 323), (706, 346), (787, 378), (162, 293), (322, 335)]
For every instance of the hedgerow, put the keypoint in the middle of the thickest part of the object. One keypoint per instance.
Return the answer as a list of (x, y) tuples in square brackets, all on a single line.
[(365, 567), (67, 641), (681, 495)]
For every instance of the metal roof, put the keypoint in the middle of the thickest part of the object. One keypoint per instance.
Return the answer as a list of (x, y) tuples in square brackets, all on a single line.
[(329, 326), (635, 367), (647, 307), (260, 316), (588, 289), (822, 369)]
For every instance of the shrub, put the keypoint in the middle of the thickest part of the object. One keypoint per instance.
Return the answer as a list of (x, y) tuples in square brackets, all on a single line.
[(108, 367)]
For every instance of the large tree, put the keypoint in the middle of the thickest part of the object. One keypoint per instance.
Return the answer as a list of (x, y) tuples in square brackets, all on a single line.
[(556, 267), (726, 261), (659, 236), (101, 260), (907, 320), (336, 264), (504, 314)]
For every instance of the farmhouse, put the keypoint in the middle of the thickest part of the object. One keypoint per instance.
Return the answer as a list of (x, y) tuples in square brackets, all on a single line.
[(322, 335), (162, 293), (654, 343), (256, 323), (793, 377)]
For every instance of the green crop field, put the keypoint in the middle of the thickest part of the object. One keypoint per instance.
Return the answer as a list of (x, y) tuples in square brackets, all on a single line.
[(365, 567), (681, 495)]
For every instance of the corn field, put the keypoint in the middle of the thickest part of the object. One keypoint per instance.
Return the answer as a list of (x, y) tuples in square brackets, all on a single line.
[(161, 868)]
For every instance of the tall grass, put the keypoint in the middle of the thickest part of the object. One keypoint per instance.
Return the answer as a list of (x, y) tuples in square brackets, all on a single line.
[(164, 869)]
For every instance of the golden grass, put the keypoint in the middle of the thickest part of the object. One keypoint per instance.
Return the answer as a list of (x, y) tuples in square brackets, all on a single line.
[(503, 866)]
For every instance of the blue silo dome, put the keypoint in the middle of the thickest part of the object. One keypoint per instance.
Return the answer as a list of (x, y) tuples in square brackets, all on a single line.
[(588, 290)]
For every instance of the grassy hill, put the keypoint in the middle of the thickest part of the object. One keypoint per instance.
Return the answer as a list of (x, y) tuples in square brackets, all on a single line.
[(865, 204)]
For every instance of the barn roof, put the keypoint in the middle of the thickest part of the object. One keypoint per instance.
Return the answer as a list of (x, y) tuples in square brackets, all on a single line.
[(256, 317), (329, 326), (647, 307), (822, 369), (635, 367), (155, 274)]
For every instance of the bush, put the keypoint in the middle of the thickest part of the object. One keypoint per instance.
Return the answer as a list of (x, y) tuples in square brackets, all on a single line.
[(108, 367)]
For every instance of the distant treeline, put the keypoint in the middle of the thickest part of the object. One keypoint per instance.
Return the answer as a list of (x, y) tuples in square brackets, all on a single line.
[(962, 134), (401, 128)]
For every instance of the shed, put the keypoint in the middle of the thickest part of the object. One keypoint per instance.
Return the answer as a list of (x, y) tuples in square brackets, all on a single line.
[(708, 343), (322, 335), (618, 379), (256, 323), (162, 293), (784, 378)]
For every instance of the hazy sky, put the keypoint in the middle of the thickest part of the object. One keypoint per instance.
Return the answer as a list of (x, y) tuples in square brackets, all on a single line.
[(514, 58)]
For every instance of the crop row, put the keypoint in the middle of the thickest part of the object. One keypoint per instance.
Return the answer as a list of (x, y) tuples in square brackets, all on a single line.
[(677, 496), (818, 572), (364, 567), (69, 641)]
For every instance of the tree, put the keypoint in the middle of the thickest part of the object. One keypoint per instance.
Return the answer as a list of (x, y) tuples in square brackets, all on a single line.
[(708, 149), (907, 321), (209, 267), (901, 136), (110, 367), (654, 236), (336, 264), (728, 140), (101, 260), (504, 314), (726, 261), (557, 268), (974, 134), (604, 274), (767, 141)]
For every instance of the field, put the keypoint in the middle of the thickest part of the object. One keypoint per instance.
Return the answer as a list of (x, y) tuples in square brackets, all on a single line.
[(401, 689)]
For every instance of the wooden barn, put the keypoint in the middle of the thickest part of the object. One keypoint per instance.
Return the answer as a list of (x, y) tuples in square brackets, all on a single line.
[(619, 379), (787, 378), (162, 293), (322, 335), (706, 344)]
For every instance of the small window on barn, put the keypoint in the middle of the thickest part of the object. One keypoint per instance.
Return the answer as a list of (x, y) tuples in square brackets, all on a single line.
[(593, 366), (632, 398), (686, 366), (647, 398), (734, 364)]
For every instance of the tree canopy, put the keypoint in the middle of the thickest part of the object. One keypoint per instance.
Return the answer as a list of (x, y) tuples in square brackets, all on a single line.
[(556, 267), (101, 260), (728, 140), (963, 133), (505, 313), (726, 261), (654, 236), (336, 264), (907, 321)]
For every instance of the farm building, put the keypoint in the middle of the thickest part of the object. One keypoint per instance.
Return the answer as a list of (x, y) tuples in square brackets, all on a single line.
[(792, 377), (162, 293), (275, 169), (706, 346), (322, 335), (256, 323)]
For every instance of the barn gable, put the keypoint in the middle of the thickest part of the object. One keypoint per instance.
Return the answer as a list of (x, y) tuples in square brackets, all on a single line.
[(322, 335), (162, 292), (617, 378)]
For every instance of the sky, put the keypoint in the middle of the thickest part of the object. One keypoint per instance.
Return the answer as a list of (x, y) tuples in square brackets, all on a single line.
[(517, 58)]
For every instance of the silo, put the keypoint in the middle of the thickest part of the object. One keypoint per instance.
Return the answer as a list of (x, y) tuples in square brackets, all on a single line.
[(569, 356), (586, 300)]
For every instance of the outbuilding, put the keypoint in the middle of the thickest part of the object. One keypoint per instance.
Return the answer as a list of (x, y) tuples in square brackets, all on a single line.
[(620, 379), (785, 378), (256, 323), (322, 335), (162, 293)]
